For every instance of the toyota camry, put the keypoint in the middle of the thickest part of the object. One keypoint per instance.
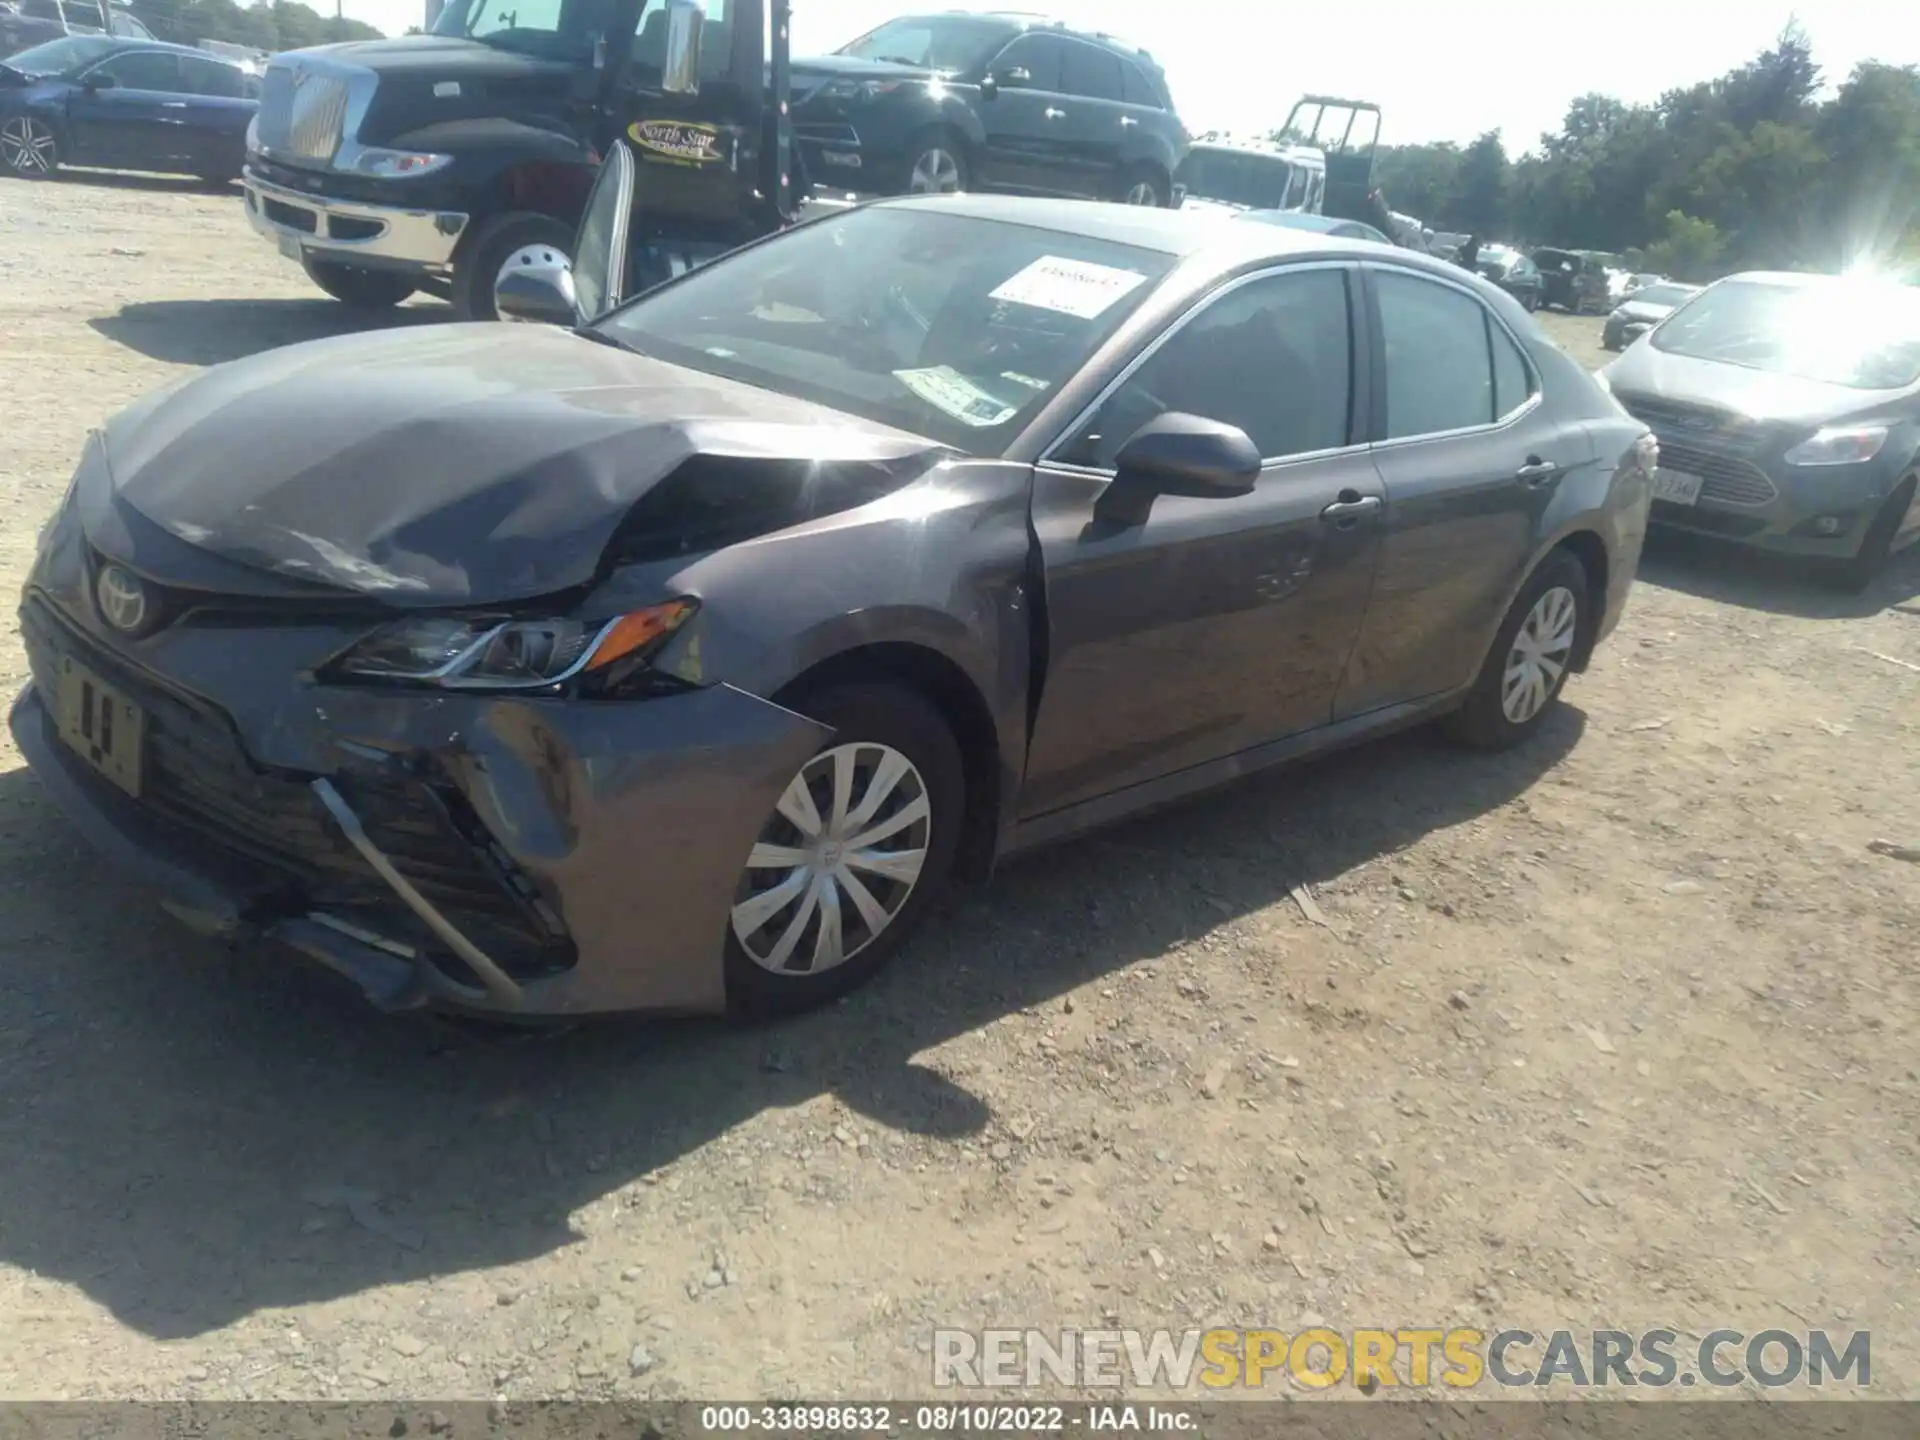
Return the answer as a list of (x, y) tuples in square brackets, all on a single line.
[(679, 660)]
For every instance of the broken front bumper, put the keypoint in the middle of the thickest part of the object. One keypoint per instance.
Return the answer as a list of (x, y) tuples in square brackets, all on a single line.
[(538, 858)]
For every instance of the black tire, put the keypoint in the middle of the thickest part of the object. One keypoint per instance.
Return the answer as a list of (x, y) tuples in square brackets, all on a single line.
[(487, 249), (902, 719), (358, 288), (1137, 177), (922, 151), (27, 144), (1482, 721), (1858, 571)]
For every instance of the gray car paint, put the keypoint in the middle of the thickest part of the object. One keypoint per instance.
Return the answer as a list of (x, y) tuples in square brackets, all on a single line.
[(979, 578)]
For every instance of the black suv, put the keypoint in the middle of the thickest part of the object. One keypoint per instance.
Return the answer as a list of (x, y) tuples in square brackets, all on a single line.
[(931, 103)]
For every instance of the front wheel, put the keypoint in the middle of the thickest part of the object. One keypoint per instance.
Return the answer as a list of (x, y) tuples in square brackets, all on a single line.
[(1530, 659), (1859, 570), (29, 148), (939, 166), (361, 289), (858, 848), (495, 249)]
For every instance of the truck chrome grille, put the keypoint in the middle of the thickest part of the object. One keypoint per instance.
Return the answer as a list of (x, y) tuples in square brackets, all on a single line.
[(302, 113)]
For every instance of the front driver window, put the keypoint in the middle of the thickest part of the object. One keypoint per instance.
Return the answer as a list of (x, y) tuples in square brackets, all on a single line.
[(1273, 357)]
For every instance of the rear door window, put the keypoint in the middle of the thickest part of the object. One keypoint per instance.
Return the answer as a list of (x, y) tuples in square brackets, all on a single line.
[(1136, 88), (210, 77), (1092, 73), (1438, 361)]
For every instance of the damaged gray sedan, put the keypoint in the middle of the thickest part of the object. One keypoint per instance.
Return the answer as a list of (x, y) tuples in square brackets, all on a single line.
[(680, 661)]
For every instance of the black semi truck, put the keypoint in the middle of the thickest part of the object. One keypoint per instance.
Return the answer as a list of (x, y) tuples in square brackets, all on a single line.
[(449, 162)]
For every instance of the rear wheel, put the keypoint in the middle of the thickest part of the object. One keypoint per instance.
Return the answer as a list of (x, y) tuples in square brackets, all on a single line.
[(29, 148), (1861, 569), (498, 246), (1141, 185), (1530, 659), (857, 850), (361, 289)]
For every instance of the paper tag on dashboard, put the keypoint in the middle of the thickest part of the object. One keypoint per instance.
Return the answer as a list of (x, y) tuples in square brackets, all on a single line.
[(952, 393), (1069, 287)]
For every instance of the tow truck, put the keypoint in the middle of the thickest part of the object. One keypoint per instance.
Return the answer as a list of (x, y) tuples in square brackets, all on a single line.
[(1319, 162), (456, 161)]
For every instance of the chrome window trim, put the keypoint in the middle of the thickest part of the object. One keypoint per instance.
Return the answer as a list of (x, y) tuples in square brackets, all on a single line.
[(1536, 382), (1200, 305)]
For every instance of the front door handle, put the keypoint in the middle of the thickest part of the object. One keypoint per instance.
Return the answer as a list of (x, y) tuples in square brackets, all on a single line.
[(1537, 472), (1345, 512), (1128, 120), (1053, 114)]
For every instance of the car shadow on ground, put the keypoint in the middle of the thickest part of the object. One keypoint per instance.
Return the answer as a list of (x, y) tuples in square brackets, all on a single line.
[(171, 1111), (1780, 585), (211, 332)]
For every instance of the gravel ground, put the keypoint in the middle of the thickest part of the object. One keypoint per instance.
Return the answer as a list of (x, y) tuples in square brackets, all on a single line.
[(1615, 1031)]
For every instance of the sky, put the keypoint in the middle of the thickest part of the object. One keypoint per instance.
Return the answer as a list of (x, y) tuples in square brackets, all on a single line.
[(1447, 71)]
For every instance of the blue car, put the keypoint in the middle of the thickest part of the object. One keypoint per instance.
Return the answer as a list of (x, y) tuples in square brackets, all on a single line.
[(124, 104)]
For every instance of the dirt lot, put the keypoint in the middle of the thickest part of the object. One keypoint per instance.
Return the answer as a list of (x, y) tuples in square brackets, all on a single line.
[(1616, 1031)]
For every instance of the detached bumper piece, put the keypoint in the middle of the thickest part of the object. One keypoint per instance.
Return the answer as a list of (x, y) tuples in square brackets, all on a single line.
[(380, 873)]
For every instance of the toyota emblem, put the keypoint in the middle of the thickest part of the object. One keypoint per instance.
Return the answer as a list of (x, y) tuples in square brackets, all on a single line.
[(123, 599)]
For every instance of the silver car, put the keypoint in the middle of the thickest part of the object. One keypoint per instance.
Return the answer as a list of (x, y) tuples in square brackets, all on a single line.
[(1788, 413)]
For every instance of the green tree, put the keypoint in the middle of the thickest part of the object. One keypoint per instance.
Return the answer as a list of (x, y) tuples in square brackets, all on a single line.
[(1687, 249)]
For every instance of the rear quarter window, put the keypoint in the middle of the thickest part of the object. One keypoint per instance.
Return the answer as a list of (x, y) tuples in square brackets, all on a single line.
[(1137, 89)]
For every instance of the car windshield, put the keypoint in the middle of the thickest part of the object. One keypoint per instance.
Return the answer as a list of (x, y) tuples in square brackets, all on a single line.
[(1660, 295), (1863, 337), (952, 44), (550, 29), (66, 56), (1496, 262), (953, 327), (1236, 177)]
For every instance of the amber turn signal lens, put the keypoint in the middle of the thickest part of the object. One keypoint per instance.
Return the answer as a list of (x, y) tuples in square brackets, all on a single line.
[(639, 631)]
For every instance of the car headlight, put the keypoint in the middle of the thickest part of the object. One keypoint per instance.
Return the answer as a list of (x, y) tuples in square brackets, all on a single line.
[(394, 164), (1839, 445), (454, 652), (859, 90)]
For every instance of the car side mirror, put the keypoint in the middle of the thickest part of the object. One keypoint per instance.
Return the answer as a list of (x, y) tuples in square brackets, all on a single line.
[(1177, 454), (680, 70), (537, 291)]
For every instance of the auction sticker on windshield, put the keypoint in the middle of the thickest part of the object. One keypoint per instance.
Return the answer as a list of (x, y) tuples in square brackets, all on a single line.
[(1069, 287), (1676, 486), (952, 393)]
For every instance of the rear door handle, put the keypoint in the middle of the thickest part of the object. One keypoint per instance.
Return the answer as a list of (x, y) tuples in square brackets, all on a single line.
[(1345, 512), (1053, 114), (1537, 472), (1128, 120)]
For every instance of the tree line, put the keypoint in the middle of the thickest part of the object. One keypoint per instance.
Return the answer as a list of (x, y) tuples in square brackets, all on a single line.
[(278, 25), (1753, 170)]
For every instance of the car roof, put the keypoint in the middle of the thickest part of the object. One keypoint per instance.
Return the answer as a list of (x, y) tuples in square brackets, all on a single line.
[(1022, 20), (117, 43), (1210, 239)]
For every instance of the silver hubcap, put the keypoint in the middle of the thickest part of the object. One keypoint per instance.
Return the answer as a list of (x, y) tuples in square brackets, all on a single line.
[(1539, 655), (1142, 194), (935, 173), (528, 257), (836, 862), (27, 146)]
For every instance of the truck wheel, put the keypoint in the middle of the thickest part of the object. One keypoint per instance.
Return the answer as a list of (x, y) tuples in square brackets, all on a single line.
[(496, 246), (361, 289)]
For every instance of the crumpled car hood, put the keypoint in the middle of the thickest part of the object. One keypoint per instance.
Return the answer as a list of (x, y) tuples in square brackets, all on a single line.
[(447, 464)]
